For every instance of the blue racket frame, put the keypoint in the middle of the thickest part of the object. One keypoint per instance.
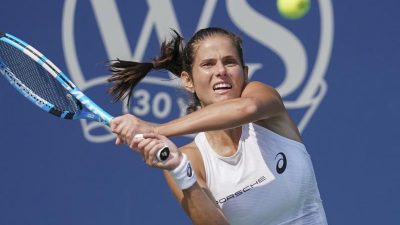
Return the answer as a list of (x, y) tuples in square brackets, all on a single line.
[(88, 109)]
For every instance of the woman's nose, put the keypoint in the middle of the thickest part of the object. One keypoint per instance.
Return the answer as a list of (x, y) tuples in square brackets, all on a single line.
[(221, 69)]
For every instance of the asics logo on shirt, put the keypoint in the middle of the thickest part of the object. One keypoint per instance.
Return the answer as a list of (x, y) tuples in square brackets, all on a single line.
[(281, 163)]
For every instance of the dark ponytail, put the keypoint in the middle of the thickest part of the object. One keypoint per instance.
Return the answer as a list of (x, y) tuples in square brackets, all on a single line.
[(127, 74), (171, 55)]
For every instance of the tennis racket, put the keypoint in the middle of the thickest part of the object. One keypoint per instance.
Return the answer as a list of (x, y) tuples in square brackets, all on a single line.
[(46, 86)]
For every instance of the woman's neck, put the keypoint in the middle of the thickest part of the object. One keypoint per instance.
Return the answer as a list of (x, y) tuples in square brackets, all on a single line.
[(224, 142)]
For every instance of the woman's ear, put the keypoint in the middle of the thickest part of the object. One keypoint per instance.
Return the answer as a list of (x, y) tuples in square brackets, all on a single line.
[(187, 82)]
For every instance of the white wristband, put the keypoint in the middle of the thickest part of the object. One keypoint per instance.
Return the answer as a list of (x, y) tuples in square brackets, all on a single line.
[(184, 175)]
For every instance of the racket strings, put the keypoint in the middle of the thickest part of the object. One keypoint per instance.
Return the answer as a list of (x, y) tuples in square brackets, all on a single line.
[(36, 78)]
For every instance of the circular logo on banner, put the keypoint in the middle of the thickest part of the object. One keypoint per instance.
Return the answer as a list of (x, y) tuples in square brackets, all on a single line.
[(291, 55)]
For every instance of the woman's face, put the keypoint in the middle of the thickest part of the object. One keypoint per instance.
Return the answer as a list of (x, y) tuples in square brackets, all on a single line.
[(217, 71)]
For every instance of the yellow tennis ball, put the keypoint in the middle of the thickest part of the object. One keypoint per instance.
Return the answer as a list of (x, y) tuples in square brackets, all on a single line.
[(293, 9)]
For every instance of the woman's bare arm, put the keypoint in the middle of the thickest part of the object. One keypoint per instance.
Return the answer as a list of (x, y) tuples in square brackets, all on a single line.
[(197, 201), (258, 102)]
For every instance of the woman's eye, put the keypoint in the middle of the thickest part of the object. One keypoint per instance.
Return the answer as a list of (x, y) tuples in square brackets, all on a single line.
[(206, 64), (231, 63)]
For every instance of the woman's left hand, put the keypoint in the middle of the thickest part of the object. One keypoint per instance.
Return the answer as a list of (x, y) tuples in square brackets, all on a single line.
[(148, 146)]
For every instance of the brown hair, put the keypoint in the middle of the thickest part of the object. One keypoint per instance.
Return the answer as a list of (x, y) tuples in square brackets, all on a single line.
[(173, 57)]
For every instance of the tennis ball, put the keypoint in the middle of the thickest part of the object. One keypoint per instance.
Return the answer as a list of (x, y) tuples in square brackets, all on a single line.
[(293, 9)]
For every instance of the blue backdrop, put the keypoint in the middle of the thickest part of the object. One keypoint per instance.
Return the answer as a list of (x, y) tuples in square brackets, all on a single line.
[(337, 70)]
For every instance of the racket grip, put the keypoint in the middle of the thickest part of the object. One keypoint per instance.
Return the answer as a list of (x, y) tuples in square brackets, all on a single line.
[(163, 153)]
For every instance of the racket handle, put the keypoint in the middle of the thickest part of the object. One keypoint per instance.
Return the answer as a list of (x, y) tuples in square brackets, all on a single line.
[(163, 153)]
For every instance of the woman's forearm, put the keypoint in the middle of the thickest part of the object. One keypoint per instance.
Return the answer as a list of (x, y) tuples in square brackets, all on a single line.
[(197, 202), (200, 208), (257, 102), (222, 115)]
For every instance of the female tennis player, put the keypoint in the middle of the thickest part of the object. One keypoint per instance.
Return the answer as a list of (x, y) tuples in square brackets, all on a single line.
[(247, 164)]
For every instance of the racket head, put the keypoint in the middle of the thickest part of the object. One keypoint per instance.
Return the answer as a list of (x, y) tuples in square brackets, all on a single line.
[(42, 83)]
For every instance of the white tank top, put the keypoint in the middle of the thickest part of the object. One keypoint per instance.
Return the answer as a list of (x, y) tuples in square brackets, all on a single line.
[(269, 180)]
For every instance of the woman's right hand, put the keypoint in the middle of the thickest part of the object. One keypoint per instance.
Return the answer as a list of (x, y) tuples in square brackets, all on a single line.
[(148, 147), (127, 126)]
